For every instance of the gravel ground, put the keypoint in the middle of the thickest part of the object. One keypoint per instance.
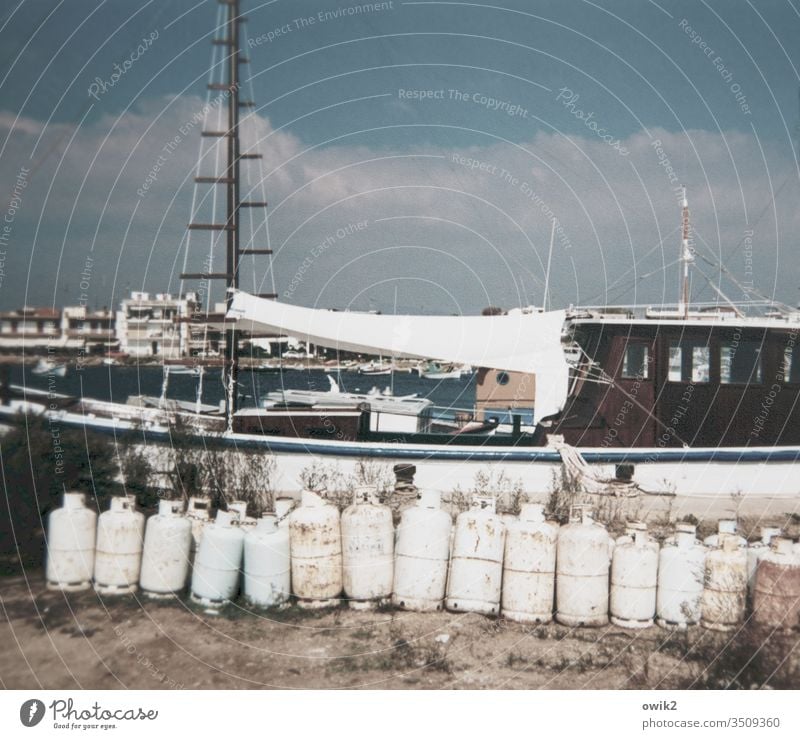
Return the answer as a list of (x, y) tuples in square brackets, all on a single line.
[(52, 641)]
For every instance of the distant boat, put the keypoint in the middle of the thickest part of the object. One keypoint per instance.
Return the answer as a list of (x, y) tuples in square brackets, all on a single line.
[(436, 371), (45, 367), (374, 368), (182, 369)]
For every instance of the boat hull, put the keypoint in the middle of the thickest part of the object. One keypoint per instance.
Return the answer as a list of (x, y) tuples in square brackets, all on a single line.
[(706, 482)]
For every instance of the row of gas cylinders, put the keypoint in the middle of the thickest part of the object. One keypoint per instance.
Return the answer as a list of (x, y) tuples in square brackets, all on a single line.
[(525, 567)]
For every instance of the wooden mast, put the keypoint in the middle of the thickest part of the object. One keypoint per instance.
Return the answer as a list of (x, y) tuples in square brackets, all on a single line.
[(230, 87)]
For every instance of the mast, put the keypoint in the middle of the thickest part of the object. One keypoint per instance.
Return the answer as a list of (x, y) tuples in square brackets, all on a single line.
[(686, 257), (230, 88)]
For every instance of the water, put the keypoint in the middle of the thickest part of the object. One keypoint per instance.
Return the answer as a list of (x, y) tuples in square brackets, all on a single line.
[(118, 383)]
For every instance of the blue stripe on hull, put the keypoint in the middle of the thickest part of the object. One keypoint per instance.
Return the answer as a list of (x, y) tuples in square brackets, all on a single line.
[(469, 454)]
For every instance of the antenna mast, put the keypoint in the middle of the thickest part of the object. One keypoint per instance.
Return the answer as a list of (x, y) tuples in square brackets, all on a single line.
[(687, 257)]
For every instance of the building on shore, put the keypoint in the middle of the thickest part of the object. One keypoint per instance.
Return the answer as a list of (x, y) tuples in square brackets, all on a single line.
[(30, 329), (89, 331), (158, 325)]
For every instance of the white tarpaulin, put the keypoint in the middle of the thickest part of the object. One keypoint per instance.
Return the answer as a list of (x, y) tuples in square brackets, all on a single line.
[(516, 342)]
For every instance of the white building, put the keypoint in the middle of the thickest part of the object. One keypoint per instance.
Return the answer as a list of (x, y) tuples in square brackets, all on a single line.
[(156, 325)]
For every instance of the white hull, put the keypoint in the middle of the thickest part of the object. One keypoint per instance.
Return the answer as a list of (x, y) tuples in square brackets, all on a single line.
[(707, 483)]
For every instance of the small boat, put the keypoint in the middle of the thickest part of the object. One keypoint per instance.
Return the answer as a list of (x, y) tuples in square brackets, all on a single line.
[(182, 369), (436, 371), (46, 367), (374, 368)]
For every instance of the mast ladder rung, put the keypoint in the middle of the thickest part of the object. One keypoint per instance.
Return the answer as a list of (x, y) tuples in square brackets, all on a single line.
[(215, 180), (211, 227), (205, 276), (253, 204), (255, 251)]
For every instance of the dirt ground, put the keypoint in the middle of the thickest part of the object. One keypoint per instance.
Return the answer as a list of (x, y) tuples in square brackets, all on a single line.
[(52, 641)]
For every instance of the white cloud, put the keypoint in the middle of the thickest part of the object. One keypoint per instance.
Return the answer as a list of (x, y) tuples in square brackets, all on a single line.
[(456, 235)]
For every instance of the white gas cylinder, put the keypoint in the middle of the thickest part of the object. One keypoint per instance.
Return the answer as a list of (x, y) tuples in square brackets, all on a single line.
[(583, 561), (215, 577), (367, 550), (239, 507), (476, 567), (725, 592), (529, 567), (725, 527), (120, 538), (422, 555), (167, 546), (634, 580), (315, 541), (267, 570), (681, 572), (756, 550), (71, 532)]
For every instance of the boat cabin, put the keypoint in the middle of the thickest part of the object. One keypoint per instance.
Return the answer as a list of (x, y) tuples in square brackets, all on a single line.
[(701, 382)]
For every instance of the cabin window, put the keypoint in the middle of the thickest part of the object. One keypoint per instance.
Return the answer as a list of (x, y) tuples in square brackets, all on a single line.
[(740, 362), (791, 364), (688, 362), (636, 362)]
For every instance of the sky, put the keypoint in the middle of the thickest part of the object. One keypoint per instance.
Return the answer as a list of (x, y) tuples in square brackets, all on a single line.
[(418, 157)]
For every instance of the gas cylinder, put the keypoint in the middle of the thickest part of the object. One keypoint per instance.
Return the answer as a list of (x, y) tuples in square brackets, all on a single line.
[(118, 558), (215, 578), (423, 552), (315, 541), (756, 550), (476, 567), (198, 511), (167, 545), (776, 597), (367, 550), (529, 567), (631, 527), (71, 532), (583, 561), (239, 507), (725, 592), (681, 572), (634, 580), (727, 527), (267, 572)]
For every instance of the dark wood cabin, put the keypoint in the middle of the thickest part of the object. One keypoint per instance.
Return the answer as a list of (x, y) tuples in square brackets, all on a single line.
[(672, 383)]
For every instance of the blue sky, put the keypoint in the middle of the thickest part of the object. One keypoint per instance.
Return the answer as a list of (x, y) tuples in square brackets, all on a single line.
[(455, 132)]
